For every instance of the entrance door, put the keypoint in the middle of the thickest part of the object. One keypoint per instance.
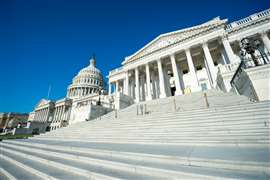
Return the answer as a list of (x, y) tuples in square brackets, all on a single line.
[(204, 86)]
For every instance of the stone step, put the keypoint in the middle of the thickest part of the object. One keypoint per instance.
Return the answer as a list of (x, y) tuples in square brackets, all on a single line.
[(189, 126), (203, 111), (50, 167), (205, 114), (114, 169), (244, 143), (20, 170), (169, 105), (149, 119), (142, 157), (55, 140), (261, 121), (152, 164), (180, 135), (175, 131)]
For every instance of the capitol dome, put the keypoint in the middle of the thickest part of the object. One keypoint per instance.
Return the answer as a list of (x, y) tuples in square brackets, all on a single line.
[(88, 81)]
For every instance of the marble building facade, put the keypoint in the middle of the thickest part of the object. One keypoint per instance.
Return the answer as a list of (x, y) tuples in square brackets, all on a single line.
[(195, 55), (198, 57), (78, 105)]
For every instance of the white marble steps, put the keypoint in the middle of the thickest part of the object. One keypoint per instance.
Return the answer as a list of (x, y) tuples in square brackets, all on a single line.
[(181, 115), (229, 140), (240, 108), (218, 123), (246, 106), (159, 165), (113, 169)]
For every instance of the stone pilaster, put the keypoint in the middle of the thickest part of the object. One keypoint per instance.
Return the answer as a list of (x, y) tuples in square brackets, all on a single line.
[(176, 75), (228, 49), (192, 70), (137, 85), (161, 79), (148, 83), (210, 63), (265, 40)]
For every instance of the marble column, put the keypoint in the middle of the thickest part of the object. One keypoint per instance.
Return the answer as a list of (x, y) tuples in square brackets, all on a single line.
[(137, 85), (176, 75), (110, 88), (210, 63), (58, 113), (62, 113), (228, 50), (55, 114), (192, 70), (116, 86), (46, 114), (161, 79), (148, 83), (265, 40), (154, 90), (126, 84), (43, 115)]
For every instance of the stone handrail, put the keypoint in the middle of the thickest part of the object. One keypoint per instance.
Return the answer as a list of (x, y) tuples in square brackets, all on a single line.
[(237, 73), (115, 70), (248, 19), (228, 67)]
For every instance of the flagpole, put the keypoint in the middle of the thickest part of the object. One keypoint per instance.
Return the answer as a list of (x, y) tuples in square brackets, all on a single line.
[(49, 91)]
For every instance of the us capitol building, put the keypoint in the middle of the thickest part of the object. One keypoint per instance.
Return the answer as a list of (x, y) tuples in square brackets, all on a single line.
[(80, 103), (198, 58)]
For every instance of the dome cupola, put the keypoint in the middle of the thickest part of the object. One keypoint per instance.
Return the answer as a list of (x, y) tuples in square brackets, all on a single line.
[(88, 81)]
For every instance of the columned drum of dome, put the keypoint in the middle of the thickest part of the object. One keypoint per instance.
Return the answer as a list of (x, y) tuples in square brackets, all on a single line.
[(87, 82)]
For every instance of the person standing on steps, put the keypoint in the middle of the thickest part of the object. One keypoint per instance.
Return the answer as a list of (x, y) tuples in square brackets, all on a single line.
[(172, 83)]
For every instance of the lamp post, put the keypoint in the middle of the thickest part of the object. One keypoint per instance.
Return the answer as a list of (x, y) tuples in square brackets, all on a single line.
[(258, 44), (250, 46), (99, 93)]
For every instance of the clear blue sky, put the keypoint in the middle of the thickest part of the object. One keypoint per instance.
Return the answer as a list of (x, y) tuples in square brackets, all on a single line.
[(48, 42)]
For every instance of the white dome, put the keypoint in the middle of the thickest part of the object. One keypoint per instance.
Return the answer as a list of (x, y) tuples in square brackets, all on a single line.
[(88, 81)]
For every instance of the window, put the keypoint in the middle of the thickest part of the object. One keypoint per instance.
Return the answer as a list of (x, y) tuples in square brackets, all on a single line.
[(204, 86), (185, 71), (199, 67)]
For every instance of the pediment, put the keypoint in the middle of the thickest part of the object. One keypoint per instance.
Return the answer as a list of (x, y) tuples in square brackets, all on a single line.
[(42, 102), (165, 40)]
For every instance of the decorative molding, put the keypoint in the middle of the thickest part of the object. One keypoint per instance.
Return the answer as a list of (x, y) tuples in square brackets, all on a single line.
[(169, 39)]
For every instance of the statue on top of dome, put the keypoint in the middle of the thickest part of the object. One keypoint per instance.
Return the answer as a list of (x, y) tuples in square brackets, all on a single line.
[(93, 60)]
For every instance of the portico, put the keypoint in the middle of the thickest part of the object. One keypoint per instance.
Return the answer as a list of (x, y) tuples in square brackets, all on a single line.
[(194, 55)]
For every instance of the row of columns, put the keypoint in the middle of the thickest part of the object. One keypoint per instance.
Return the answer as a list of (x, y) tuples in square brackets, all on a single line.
[(81, 91), (209, 65), (42, 115), (162, 88), (60, 113)]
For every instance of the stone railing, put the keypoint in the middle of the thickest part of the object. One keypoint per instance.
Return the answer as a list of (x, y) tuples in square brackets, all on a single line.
[(228, 67), (248, 19), (114, 71)]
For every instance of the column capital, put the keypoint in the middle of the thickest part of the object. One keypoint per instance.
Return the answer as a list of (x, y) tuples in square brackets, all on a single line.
[(172, 55), (224, 36), (263, 33), (204, 43), (187, 50)]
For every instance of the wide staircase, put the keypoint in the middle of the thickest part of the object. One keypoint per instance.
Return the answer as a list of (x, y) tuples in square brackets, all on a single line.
[(198, 136)]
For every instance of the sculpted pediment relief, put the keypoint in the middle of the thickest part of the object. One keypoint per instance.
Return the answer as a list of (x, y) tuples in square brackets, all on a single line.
[(171, 38), (42, 102)]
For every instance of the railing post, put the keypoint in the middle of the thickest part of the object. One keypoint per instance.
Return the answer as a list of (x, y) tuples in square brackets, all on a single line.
[(141, 108), (145, 109), (174, 104), (115, 113), (206, 100)]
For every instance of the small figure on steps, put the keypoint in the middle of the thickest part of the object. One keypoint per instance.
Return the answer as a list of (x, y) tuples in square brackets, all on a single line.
[(172, 83)]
